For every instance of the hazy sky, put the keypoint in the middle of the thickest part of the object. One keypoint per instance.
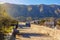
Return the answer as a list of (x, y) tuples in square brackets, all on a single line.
[(32, 1)]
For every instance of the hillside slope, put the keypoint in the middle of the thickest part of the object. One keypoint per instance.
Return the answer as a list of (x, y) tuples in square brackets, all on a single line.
[(33, 11)]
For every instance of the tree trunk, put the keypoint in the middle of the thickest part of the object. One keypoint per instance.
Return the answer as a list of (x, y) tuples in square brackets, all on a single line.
[(1, 36)]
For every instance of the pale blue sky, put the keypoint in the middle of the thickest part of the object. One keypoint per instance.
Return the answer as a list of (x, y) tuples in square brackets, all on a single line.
[(32, 1)]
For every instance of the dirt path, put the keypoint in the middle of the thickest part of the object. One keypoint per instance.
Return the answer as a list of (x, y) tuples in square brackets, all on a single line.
[(37, 32)]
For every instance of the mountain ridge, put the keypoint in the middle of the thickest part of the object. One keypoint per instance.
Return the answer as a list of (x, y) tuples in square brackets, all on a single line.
[(33, 11)]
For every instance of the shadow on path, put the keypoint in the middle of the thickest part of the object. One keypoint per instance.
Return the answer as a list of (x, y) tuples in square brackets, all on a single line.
[(27, 35)]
